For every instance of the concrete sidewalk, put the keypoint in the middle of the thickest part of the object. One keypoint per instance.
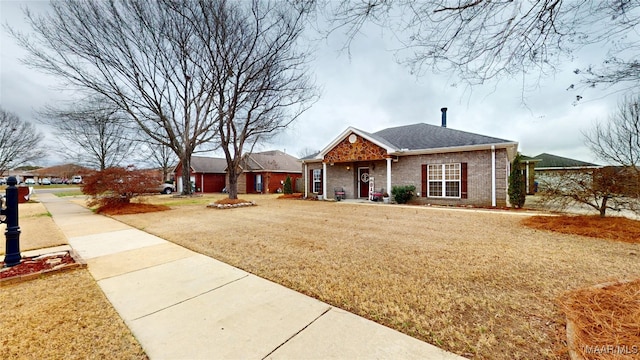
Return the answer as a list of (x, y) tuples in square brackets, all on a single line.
[(183, 305)]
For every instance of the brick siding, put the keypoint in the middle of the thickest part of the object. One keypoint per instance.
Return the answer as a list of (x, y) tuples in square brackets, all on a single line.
[(408, 171)]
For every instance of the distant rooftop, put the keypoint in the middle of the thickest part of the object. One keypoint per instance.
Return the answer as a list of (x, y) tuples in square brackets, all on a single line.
[(555, 161)]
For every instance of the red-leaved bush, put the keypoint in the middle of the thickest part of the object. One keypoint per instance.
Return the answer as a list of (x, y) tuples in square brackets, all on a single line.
[(117, 185)]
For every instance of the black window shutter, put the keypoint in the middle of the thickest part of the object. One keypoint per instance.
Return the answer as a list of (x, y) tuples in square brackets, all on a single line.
[(463, 180), (424, 180)]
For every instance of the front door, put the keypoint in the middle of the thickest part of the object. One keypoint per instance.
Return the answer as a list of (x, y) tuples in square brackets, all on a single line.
[(363, 182)]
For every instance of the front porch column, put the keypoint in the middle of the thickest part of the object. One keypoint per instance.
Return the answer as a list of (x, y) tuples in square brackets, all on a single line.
[(388, 176), (324, 180), (306, 180), (493, 175)]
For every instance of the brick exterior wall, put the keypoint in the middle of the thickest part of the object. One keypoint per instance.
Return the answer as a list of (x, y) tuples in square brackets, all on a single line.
[(408, 171)]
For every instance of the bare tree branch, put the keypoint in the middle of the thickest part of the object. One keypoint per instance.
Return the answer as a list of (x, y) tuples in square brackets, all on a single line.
[(142, 56), (259, 72), (618, 141), (93, 133), (482, 40), (20, 142)]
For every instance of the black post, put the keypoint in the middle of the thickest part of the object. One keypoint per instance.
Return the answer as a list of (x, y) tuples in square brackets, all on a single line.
[(12, 256)]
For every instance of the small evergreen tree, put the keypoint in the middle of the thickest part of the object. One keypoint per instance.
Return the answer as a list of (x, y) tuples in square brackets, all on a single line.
[(517, 191), (287, 188)]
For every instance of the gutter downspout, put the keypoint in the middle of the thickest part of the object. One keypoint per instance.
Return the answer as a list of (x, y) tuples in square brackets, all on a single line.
[(527, 175), (324, 180), (493, 175), (388, 191), (306, 180)]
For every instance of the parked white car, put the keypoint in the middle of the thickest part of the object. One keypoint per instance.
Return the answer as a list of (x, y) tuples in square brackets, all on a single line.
[(166, 188), (29, 181), (76, 179)]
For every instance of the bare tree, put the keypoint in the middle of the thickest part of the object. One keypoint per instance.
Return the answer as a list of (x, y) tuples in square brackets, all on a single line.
[(259, 72), (481, 40), (607, 188), (618, 141), (161, 157), (142, 56), (92, 132), (20, 142), (307, 151)]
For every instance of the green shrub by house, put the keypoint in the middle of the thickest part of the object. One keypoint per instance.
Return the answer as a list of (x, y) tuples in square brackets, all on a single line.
[(402, 194), (287, 188), (517, 191)]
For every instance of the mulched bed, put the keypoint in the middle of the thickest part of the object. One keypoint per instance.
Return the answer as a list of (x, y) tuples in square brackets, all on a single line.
[(603, 322), (33, 267)]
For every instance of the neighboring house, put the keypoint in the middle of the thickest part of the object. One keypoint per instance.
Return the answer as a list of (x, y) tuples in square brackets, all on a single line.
[(549, 166), (528, 165), (59, 173), (265, 172), (447, 166), (207, 174)]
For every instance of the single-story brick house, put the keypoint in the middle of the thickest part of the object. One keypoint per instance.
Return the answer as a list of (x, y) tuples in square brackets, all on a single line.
[(265, 172), (447, 166), (207, 174)]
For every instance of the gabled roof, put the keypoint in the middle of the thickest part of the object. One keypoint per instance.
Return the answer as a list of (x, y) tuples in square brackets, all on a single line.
[(425, 136), (419, 138), (555, 161), (208, 165), (274, 160)]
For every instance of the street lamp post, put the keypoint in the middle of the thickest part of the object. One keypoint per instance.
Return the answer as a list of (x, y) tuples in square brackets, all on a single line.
[(12, 256)]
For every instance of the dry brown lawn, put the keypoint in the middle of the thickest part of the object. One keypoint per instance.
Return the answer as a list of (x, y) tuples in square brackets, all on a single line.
[(37, 228), (62, 316), (477, 283)]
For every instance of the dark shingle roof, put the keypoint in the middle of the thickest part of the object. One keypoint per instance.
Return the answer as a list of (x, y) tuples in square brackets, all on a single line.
[(554, 161), (274, 160), (208, 165), (425, 136)]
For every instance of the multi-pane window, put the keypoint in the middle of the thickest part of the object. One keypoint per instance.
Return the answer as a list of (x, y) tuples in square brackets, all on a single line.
[(444, 180), (317, 181)]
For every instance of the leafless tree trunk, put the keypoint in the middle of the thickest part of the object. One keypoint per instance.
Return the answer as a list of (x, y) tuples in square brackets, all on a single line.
[(93, 133), (142, 56), (481, 40), (20, 142), (259, 72)]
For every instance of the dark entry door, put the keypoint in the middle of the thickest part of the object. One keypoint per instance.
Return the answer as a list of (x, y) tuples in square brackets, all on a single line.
[(363, 178)]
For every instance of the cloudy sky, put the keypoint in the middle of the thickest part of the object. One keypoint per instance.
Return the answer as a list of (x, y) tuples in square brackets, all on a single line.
[(369, 90)]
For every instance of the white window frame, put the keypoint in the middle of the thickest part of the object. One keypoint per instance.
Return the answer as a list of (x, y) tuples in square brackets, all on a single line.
[(457, 168), (317, 181)]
